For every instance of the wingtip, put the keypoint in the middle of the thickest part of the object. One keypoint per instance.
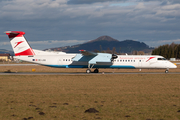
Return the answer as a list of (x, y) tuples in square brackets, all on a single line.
[(82, 50)]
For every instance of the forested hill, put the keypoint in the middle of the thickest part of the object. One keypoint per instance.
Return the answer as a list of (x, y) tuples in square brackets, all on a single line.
[(106, 43), (168, 51), (3, 51)]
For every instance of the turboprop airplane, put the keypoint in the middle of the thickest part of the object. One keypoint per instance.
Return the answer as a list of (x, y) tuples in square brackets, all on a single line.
[(85, 59)]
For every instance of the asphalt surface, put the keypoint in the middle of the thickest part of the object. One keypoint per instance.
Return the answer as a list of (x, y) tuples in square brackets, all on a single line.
[(18, 64), (37, 73)]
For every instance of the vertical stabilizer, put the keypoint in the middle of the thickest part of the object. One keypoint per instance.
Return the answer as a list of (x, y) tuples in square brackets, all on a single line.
[(19, 43)]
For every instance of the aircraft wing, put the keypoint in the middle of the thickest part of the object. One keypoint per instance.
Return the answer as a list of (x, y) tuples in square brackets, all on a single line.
[(88, 53), (92, 58)]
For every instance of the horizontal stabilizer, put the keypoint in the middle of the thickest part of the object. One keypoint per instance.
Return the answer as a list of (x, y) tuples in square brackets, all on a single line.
[(13, 34)]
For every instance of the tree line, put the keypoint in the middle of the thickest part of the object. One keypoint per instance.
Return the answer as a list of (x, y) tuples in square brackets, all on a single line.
[(168, 51)]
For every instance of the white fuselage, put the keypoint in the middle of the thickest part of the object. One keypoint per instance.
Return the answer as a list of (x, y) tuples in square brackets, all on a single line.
[(63, 60)]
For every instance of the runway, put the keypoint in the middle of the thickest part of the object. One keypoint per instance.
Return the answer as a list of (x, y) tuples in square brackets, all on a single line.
[(38, 73), (18, 64), (72, 73)]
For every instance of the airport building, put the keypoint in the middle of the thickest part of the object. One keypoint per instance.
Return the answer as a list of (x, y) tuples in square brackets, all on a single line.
[(5, 57)]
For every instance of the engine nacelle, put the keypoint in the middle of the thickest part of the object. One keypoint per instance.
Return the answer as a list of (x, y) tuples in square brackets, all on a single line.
[(114, 56)]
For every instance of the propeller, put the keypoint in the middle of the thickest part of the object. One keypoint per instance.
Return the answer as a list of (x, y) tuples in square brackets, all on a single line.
[(114, 56)]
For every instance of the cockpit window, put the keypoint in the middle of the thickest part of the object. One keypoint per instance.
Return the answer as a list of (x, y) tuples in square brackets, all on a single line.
[(161, 58)]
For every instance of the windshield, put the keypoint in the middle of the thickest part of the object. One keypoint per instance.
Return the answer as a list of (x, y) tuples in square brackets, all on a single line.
[(161, 58)]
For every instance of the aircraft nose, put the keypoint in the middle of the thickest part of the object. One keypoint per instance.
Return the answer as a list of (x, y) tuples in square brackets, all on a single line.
[(175, 65), (172, 65)]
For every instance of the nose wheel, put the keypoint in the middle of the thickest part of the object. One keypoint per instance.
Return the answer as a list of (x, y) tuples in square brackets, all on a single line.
[(166, 71)]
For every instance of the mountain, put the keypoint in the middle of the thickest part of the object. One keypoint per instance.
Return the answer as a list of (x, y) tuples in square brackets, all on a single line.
[(103, 38), (106, 43), (2, 51)]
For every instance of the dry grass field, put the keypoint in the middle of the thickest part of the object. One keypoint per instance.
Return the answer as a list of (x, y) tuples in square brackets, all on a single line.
[(67, 97)]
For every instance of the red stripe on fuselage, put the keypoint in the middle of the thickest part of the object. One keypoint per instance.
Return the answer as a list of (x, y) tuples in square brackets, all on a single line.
[(26, 52), (150, 58)]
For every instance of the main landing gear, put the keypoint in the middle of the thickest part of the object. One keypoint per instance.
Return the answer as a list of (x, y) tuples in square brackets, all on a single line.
[(90, 67), (95, 71)]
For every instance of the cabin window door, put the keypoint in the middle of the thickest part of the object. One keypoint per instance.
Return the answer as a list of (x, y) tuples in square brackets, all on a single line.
[(140, 63)]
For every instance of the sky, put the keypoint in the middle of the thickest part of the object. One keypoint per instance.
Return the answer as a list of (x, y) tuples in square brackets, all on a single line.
[(57, 23)]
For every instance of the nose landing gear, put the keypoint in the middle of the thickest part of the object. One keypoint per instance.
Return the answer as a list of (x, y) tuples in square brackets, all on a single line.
[(166, 71)]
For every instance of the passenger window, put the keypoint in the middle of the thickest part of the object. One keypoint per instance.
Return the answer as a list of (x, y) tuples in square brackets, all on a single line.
[(139, 60)]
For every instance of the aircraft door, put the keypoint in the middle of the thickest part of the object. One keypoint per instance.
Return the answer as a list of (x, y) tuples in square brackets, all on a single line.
[(152, 62), (140, 63), (162, 63), (60, 61)]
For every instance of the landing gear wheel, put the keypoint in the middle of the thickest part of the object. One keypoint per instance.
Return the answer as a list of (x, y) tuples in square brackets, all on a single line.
[(96, 71), (88, 71), (166, 71)]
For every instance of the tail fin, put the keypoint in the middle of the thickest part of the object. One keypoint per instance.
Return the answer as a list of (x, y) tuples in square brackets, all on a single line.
[(19, 43)]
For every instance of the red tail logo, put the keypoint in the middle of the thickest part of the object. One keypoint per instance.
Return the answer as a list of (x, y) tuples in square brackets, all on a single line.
[(17, 43)]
